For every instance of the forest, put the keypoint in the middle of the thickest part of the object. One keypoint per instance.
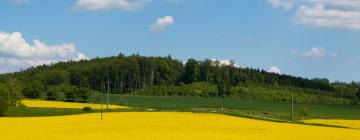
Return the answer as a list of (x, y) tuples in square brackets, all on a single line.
[(165, 76)]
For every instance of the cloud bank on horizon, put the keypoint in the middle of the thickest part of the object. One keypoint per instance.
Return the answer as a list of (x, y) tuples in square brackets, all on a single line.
[(16, 53)]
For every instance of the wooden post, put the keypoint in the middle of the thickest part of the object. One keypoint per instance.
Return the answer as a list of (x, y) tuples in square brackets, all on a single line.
[(101, 110), (108, 93), (292, 106)]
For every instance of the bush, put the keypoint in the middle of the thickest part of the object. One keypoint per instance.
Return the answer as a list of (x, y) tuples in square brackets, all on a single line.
[(31, 92), (4, 99), (15, 88), (52, 94), (68, 93), (84, 94), (55, 93), (303, 113), (354, 102), (283, 94), (87, 109), (197, 89), (204, 89), (71, 93)]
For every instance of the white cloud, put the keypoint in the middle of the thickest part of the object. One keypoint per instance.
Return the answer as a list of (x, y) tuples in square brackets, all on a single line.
[(20, 1), (16, 53), (224, 62), (284, 4), (274, 69), (161, 24), (314, 53), (339, 4), (129, 5), (321, 17), (324, 13)]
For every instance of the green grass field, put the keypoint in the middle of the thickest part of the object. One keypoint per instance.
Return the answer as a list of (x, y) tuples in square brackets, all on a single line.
[(37, 112), (237, 107), (41, 112)]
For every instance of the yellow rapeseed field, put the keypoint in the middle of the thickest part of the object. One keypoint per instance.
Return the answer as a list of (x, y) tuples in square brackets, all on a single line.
[(56, 104), (345, 123), (163, 126)]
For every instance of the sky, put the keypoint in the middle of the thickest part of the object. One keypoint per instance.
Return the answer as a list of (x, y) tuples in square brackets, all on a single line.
[(307, 38)]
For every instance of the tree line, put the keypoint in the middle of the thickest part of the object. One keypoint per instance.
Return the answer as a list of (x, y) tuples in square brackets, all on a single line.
[(136, 73)]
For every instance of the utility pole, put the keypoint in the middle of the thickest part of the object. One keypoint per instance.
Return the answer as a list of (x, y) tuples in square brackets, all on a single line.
[(292, 106), (101, 112), (102, 102), (108, 93)]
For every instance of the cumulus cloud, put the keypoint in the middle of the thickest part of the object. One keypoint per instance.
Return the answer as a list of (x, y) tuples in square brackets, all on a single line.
[(274, 69), (161, 24), (129, 5), (284, 4), (339, 4), (314, 53), (224, 62), (321, 17), (325, 13), (16, 53)]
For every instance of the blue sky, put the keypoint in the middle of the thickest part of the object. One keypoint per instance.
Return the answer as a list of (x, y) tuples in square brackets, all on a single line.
[(308, 38)]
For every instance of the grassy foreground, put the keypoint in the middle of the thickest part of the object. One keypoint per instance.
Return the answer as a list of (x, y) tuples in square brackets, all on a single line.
[(163, 125)]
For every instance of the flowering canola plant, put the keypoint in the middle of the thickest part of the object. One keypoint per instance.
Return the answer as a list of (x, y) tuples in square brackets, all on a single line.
[(344, 123), (163, 126), (57, 104)]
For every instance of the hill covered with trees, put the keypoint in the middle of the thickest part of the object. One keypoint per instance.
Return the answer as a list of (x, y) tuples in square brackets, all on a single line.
[(165, 76)]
